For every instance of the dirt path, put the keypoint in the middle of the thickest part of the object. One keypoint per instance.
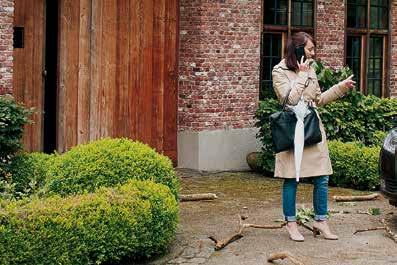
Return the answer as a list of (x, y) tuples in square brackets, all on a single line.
[(261, 196)]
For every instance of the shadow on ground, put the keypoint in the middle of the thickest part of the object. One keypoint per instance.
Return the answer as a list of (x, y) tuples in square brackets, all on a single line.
[(261, 196)]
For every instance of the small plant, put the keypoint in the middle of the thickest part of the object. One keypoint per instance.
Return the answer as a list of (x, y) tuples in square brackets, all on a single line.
[(304, 215), (13, 117)]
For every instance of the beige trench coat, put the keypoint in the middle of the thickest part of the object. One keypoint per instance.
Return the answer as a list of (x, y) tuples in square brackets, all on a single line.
[(315, 160)]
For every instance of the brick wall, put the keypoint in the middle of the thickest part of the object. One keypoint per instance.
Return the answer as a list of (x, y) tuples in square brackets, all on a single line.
[(330, 36), (6, 50), (393, 55), (219, 63)]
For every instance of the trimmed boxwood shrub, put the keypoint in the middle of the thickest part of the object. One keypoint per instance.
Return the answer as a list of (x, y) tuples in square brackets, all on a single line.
[(135, 220), (354, 165), (13, 117), (27, 172), (109, 162)]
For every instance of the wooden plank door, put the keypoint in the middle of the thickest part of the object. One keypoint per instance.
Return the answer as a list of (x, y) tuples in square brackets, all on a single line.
[(28, 67), (118, 72)]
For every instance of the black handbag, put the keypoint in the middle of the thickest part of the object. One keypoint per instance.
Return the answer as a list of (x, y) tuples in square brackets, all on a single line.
[(282, 127)]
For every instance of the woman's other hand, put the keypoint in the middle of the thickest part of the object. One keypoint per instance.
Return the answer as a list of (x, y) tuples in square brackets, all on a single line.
[(349, 83)]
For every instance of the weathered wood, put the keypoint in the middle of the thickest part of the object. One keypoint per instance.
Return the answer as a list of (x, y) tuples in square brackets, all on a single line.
[(369, 197), (171, 78), (84, 77), (28, 66)]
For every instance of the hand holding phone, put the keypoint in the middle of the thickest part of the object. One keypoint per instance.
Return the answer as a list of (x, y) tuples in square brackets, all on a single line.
[(300, 52)]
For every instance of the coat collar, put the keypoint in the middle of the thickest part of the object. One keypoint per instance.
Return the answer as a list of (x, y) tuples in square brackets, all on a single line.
[(292, 74)]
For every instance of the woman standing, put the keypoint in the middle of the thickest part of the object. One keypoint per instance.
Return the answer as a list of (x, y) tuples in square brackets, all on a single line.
[(295, 77)]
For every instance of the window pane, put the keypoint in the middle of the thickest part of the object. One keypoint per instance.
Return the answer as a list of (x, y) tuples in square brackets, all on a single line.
[(356, 16), (361, 16), (377, 88), (271, 55), (307, 14), (379, 14), (370, 87), (296, 15), (375, 66), (351, 16), (374, 18), (302, 13), (275, 12), (269, 11), (353, 56), (281, 14), (384, 18)]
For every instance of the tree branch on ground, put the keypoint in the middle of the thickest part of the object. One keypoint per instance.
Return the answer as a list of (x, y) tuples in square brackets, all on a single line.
[(369, 197), (284, 255), (198, 197), (219, 244)]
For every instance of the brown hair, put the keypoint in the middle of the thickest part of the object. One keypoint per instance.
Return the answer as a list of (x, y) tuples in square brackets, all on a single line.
[(297, 39)]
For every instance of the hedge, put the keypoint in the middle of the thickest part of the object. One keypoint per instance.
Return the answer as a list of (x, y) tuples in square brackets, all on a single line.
[(135, 220), (355, 165), (108, 162)]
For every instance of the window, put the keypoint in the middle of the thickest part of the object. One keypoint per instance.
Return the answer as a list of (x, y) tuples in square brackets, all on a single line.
[(278, 22), (302, 13), (276, 12), (366, 43)]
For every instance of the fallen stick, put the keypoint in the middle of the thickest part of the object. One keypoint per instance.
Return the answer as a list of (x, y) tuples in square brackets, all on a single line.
[(369, 197), (219, 244), (284, 255), (389, 232), (198, 197), (369, 229)]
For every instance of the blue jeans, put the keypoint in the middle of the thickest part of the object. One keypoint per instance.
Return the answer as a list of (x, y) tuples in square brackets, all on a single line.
[(320, 198)]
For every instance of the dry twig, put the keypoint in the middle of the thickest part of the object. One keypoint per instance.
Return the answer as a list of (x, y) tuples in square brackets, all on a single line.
[(388, 231), (198, 197), (369, 229), (284, 255), (369, 197), (219, 244)]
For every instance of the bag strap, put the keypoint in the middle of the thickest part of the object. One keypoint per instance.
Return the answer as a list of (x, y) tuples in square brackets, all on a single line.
[(289, 92), (286, 97)]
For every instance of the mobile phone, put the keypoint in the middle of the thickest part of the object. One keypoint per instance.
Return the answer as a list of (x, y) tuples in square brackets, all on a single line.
[(299, 52)]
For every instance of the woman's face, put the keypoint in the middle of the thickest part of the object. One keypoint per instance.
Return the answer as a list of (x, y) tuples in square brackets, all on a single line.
[(309, 50)]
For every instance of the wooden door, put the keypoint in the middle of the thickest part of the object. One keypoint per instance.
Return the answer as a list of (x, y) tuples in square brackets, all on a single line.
[(118, 72), (29, 66)]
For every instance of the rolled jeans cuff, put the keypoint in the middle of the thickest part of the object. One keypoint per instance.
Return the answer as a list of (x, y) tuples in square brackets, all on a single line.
[(290, 218), (320, 217)]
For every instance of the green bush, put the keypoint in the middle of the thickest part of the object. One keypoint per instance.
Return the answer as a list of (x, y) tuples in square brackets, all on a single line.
[(108, 162), (12, 119), (27, 173), (135, 220), (354, 165), (359, 118)]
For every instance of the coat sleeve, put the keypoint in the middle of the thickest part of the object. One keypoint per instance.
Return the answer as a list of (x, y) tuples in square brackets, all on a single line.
[(332, 94), (281, 85)]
